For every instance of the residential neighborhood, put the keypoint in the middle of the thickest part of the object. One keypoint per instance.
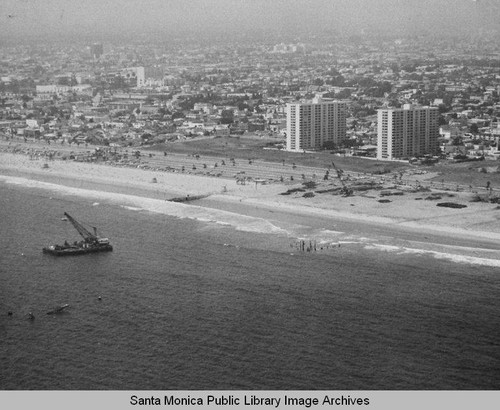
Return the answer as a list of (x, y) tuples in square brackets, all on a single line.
[(144, 94)]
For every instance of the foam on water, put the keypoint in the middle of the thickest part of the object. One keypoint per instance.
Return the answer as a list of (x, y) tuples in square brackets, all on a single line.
[(189, 211), (131, 208), (450, 230), (176, 209), (453, 257), (327, 235)]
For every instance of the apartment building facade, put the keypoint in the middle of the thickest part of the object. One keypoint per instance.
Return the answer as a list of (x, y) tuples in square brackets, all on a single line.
[(407, 132), (310, 125)]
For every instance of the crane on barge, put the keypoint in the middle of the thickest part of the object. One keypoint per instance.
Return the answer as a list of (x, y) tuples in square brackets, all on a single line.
[(91, 243), (88, 237)]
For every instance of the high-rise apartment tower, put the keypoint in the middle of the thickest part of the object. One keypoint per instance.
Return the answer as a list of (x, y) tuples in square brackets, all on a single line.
[(310, 125), (407, 132), (96, 50)]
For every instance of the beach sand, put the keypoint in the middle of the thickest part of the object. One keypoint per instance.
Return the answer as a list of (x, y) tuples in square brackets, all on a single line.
[(408, 216)]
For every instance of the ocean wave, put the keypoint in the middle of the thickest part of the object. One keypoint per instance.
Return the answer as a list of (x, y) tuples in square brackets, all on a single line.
[(176, 209), (132, 208), (453, 257), (327, 235), (306, 233), (208, 215)]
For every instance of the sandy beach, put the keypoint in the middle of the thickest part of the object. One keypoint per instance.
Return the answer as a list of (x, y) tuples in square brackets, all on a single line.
[(408, 216)]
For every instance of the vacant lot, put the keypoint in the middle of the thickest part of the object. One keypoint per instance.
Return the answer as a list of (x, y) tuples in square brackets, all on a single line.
[(467, 173), (253, 148)]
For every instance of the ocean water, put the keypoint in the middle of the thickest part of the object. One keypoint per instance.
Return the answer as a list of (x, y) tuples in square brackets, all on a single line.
[(197, 298)]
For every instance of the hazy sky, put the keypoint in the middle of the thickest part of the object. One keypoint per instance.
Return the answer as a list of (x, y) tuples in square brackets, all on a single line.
[(114, 16)]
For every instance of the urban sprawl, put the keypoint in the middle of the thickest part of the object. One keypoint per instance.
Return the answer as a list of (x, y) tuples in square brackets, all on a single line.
[(420, 99)]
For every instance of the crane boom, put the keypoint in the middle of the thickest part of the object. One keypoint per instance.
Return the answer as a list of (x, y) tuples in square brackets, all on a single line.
[(339, 173), (345, 190), (86, 234)]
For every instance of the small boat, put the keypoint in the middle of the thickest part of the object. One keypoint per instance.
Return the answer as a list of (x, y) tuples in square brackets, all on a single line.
[(57, 309), (91, 242)]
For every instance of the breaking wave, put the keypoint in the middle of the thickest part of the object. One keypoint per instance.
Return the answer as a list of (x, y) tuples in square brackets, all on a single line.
[(453, 257), (180, 210)]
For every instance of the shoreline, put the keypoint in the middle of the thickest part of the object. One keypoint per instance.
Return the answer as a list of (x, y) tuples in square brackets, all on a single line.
[(404, 219)]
